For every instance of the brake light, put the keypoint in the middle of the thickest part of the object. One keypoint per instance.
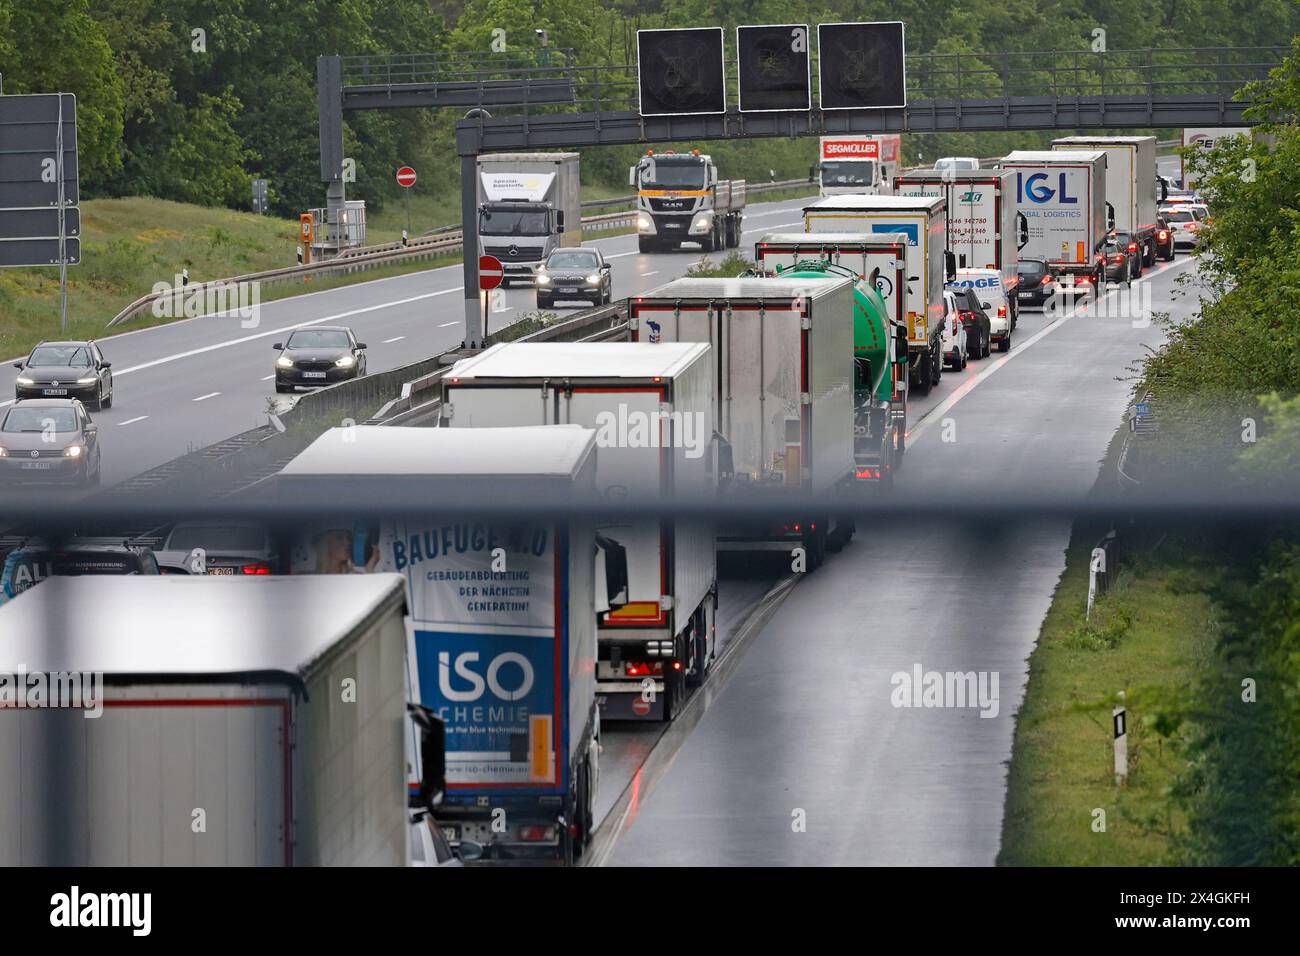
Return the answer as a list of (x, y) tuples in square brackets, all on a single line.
[(258, 568), (1163, 235), (1002, 312), (642, 669), (533, 833), (1132, 247), (1117, 258), (1047, 279), (1191, 226), (867, 474)]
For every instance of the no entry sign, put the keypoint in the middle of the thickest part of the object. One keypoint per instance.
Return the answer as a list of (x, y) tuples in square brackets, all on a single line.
[(406, 177), (490, 272)]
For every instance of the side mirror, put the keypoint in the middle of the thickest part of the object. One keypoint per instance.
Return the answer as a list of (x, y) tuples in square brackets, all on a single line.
[(433, 756), (469, 851), (91, 428), (812, 174), (726, 461), (949, 266), (18, 365), (1022, 230), (361, 345), (611, 574), (1110, 216), (900, 343), (278, 346), (961, 261), (107, 365), (559, 220), (631, 176)]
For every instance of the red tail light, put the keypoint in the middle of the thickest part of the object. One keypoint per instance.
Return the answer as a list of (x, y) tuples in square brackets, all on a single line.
[(1002, 312), (1132, 247), (867, 474), (1046, 279), (1191, 226), (533, 833), (642, 669), (1117, 258), (1164, 234), (258, 568)]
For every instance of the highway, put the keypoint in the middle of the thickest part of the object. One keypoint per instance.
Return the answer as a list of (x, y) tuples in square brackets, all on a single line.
[(801, 756)]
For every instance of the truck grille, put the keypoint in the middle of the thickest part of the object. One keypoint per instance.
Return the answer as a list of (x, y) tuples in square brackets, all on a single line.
[(520, 254), (672, 205)]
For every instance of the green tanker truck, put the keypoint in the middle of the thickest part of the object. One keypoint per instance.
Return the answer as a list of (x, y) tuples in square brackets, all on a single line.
[(880, 371)]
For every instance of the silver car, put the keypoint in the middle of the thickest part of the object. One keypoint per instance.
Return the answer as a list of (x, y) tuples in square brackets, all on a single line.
[(49, 441)]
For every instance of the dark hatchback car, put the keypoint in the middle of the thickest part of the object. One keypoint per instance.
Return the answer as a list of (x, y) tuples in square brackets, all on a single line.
[(1119, 256), (318, 356), (979, 329), (1036, 286), (49, 441), (581, 274), (66, 370)]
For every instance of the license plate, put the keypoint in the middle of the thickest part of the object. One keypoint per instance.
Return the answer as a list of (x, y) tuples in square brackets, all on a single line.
[(54, 391), (568, 290), (36, 465), (1026, 295), (313, 374), (672, 225), (221, 570)]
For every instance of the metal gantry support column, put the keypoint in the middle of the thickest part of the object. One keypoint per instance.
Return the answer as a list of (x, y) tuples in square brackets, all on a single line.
[(469, 231), (329, 90)]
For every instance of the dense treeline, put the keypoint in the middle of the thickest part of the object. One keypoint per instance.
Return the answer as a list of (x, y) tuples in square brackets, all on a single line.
[(190, 99)]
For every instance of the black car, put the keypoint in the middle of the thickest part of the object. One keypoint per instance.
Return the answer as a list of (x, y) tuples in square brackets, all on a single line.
[(49, 441), (1036, 287), (1164, 239), (979, 330), (1118, 258), (321, 355), (66, 370), (580, 273), (1127, 243)]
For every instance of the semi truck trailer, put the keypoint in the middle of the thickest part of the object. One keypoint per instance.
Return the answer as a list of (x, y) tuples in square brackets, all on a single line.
[(652, 407), (503, 611), (529, 205), (238, 721), (924, 220), (1132, 190), (681, 199), (1062, 195), (782, 352)]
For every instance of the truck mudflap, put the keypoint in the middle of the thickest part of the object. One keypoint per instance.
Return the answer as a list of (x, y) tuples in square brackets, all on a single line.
[(626, 700)]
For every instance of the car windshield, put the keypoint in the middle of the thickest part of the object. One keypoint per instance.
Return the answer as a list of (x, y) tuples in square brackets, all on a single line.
[(861, 173), (319, 339), (22, 419), (215, 538), (514, 222), (1030, 268), (571, 260), (77, 356), (1122, 238), (666, 175)]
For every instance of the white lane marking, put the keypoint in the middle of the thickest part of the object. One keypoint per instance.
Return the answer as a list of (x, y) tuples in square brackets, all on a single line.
[(396, 339), (267, 378), (288, 328), (203, 398), (132, 421), (620, 255), (968, 386), (655, 273), (770, 212), (447, 325), (779, 225)]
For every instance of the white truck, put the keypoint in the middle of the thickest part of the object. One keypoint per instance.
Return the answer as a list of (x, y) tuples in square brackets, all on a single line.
[(529, 205), (503, 611), (680, 199), (856, 164), (1132, 190), (924, 220), (1062, 195), (1204, 138), (652, 407), (208, 721), (782, 353)]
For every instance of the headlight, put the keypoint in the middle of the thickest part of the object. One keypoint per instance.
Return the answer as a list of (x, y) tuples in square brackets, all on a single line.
[(4, 452), (284, 362), (702, 223), (644, 223), (543, 279), (87, 381), (73, 451), (24, 380), (346, 361), (593, 279)]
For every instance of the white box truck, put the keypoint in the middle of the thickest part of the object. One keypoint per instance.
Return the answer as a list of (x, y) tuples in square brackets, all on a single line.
[(503, 645), (681, 199), (529, 205), (652, 408), (924, 220), (1062, 195), (985, 229), (782, 354), (1204, 138), (1132, 190), (856, 164), (255, 721)]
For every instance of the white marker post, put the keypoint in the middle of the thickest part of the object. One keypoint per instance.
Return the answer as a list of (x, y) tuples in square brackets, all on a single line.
[(1119, 717), (1096, 566)]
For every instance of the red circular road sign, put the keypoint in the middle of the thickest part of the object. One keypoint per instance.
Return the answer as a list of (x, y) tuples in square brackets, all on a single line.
[(490, 272), (406, 177), (640, 707)]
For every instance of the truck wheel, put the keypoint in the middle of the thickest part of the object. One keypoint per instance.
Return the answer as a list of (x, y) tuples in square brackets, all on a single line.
[(544, 303), (924, 377), (644, 245), (1005, 344), (936, 363)]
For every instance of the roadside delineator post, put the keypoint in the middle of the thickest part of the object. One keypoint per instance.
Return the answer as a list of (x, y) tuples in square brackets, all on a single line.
[(1119, 717)]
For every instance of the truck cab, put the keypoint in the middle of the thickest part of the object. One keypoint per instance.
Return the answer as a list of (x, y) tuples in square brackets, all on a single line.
[(680, 199), (529, 205)]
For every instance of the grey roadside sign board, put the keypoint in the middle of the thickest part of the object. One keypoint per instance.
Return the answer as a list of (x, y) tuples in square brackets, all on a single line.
[(32, 129)]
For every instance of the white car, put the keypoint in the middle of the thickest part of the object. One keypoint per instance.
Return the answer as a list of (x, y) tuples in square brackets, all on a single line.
[(957, 162), (955, 352), (1185, 225), (992, 294)]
